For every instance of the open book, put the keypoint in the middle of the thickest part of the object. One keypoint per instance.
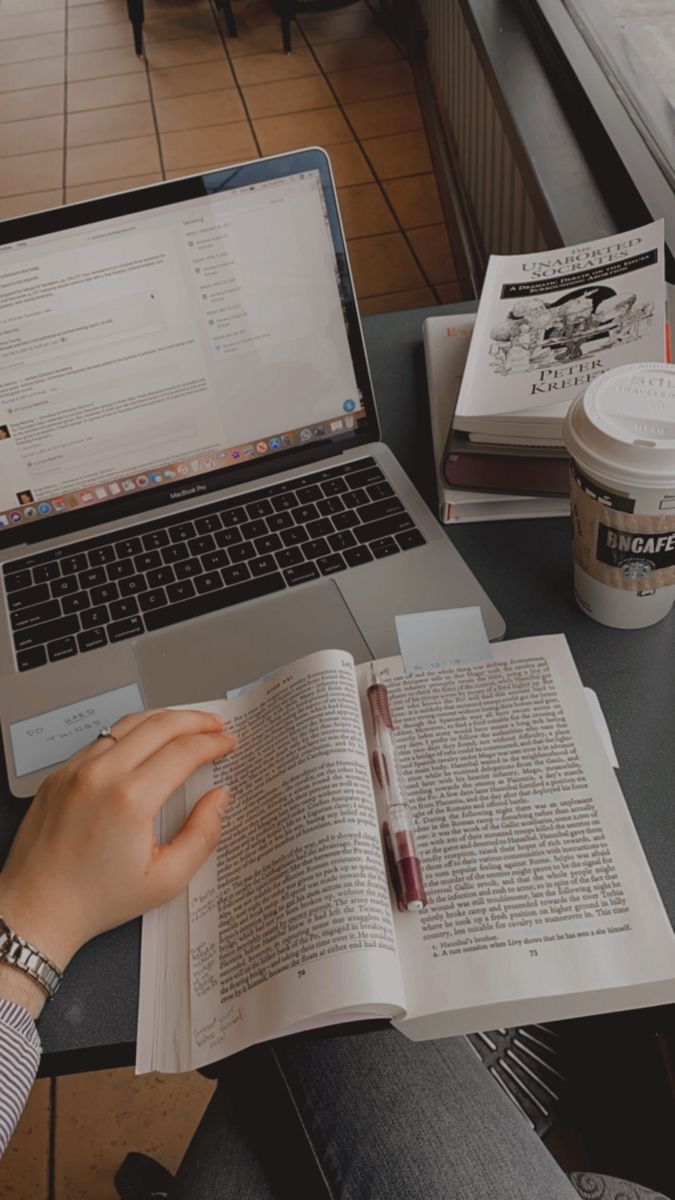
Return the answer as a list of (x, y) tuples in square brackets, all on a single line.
[(541, 903), (548, 323)]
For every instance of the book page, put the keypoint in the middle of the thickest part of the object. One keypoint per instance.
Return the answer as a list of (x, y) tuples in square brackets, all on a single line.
[(541, 902), (290, 919)]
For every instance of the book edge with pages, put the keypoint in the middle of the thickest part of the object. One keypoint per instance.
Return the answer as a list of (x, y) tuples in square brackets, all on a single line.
[(446, 346)]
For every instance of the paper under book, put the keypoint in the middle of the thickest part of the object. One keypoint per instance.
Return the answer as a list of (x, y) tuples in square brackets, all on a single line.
[(541, 902), (446, 345), (549, 322)]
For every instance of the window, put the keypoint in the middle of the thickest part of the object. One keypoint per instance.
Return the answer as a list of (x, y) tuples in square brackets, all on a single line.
[(619, 55), (634, 43)]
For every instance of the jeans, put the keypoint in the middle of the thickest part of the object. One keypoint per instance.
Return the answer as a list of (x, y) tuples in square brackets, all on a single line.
[(364, 1116)]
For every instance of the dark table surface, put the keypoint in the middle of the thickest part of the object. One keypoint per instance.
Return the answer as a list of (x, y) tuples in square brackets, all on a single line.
[(525, 567)]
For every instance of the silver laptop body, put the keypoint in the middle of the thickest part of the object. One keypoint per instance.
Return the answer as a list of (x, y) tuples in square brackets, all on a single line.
[(183, 381)]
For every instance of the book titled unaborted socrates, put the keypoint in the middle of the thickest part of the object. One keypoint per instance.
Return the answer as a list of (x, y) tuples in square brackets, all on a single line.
[(541, 904), (549, 323)]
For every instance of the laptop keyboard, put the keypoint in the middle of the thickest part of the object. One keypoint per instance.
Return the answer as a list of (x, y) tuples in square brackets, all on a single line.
[(102, 590)]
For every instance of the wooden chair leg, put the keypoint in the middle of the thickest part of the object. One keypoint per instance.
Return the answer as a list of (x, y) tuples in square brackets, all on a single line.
[(136, 16)]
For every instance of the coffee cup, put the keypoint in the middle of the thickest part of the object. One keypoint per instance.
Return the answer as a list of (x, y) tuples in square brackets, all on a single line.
[(620, 435)]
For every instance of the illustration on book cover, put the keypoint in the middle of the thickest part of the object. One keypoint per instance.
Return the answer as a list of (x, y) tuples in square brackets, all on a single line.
[(548, 323), (575, 325)]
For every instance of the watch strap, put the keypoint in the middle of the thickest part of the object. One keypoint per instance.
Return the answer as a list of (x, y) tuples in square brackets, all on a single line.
[(17, 952)]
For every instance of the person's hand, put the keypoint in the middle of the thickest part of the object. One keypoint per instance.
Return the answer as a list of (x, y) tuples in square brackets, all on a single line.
[(86, 858)]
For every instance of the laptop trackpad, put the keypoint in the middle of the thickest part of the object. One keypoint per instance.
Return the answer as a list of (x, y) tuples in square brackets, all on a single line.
[(201, 660)]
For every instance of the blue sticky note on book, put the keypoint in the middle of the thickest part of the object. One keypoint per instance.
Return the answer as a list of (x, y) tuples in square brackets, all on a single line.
[(450, 638)]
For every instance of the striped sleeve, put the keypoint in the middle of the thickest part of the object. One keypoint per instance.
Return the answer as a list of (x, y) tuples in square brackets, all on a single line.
[(20, 1051)]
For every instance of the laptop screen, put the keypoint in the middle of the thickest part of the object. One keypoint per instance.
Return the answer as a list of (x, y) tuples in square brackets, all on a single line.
[(170, 348)]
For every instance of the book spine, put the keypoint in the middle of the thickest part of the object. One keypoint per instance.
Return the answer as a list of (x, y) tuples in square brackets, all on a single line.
[(485, 473)]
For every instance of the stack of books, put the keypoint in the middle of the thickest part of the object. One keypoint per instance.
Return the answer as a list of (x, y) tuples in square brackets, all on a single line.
[(501, 382), (446, 344)]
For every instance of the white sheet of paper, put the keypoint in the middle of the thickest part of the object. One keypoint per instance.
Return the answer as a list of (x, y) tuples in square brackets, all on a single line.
[(51, 737), (602, 726), (448, 638)]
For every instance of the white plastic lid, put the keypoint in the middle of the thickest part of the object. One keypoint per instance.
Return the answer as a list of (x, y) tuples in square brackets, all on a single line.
[(623, 427)]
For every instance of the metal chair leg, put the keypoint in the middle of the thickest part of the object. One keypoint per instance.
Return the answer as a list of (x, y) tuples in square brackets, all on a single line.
[(226, 9), (136, 16), (286, 33)]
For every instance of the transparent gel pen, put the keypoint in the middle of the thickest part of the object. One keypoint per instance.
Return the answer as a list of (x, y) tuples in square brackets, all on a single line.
[(399, 834)]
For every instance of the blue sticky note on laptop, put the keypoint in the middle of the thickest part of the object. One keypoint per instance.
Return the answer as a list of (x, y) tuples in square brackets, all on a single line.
[(51, 737)]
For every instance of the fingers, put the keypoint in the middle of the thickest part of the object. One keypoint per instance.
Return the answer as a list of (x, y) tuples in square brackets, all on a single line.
[(100, 745), (178, 860), (140, 735), (153, 781)]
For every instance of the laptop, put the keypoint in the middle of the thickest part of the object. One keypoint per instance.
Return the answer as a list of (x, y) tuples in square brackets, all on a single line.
[(192, 486)]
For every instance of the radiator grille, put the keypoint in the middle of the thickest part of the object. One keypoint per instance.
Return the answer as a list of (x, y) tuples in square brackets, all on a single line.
[(502, 208)]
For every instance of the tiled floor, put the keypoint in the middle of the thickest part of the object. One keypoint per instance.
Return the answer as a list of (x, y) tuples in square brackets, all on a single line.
[(97, 1118), (80, 116)]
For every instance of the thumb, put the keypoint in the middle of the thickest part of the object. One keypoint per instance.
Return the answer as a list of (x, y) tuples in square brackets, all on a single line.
[(182, 857)]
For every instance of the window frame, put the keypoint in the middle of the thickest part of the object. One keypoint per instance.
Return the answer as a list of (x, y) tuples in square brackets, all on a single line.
[(589, 80), (642, 97)]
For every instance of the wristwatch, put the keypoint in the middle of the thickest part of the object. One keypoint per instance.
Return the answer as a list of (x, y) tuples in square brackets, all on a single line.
[(17, 952)]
